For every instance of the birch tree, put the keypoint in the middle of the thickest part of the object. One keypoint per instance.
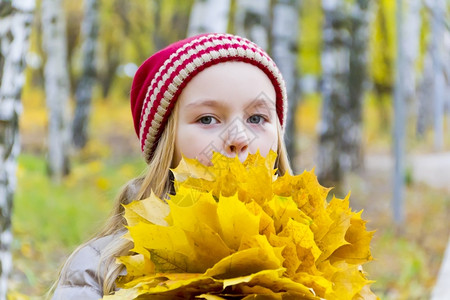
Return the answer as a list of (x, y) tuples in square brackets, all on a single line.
[(399, 120), (335, 64), (352, 152), (285, 32), (252, 20), (209, 16), (447, 72), (438, 9), (424, 107), (89, 32), (15, 26), (411, 38), (441, 289), (345, 39), (57, 87)]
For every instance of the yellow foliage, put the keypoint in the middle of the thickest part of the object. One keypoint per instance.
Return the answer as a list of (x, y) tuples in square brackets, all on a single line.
[(383, 37), (237, 229)]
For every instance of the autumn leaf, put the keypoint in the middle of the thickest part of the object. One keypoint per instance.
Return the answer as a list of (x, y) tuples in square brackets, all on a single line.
[(357, 251), (236, 221), (334, 238), (236, 230), (137, 266)]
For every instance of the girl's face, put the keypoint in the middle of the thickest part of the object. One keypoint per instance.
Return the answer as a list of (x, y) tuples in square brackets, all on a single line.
[(227, 108)]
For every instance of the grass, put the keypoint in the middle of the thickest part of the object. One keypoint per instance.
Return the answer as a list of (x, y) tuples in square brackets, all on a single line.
[(50, 220), (407, 257)]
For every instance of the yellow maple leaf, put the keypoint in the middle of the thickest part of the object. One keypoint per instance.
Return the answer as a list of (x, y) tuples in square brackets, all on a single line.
[(358, 249), (137, 266), (235, 229), (153, 210), (236, 221), (334, 238)]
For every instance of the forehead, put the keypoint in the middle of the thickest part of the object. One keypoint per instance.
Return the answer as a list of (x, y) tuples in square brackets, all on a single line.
[(237, 81)]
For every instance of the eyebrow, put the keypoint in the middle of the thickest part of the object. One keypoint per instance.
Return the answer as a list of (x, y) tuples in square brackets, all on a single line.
[(262, 103), (257, 103), (207, 102)]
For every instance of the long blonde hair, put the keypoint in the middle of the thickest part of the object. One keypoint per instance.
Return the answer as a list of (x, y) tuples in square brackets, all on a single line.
[(157, 179)]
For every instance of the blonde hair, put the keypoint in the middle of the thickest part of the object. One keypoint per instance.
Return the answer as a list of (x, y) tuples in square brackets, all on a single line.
[(158, 180)]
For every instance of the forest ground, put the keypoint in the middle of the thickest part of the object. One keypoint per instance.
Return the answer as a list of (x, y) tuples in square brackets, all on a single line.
[(410, 252)]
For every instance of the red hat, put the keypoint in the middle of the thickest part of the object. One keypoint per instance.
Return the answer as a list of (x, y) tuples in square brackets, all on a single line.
[(161, 78)]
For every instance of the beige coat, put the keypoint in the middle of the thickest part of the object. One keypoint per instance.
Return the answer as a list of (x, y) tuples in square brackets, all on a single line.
[(82, 279)]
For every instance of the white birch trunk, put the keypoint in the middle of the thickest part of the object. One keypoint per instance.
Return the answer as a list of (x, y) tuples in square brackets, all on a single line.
[(335, 60), (411, 38), (399, 118), (15, 26), (442, 288), (57, 87), (284, 51), (83, 93), (344, 60), (425, 105), (437, 37), (446, 60), (209, 16), (252, 20)]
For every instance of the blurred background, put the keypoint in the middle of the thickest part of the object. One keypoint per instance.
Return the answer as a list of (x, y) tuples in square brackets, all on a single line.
[(369, 109)]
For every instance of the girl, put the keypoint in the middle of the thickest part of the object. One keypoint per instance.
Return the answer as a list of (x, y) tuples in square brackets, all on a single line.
[(212, 92)]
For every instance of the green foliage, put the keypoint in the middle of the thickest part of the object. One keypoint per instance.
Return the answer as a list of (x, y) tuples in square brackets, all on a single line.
[(67, 214), (49, 221)]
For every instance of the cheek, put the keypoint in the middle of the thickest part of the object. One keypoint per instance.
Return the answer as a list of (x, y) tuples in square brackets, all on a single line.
[(195, 144), (265, 142)]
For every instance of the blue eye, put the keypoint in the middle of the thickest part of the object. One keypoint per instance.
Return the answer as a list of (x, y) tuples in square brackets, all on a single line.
[(255, 119), (206, 120)]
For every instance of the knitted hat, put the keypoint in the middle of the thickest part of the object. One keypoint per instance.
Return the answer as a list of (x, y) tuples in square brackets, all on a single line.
[(161, 78)]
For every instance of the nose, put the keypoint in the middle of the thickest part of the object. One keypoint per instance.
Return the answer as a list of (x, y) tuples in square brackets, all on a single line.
[(237, 140)]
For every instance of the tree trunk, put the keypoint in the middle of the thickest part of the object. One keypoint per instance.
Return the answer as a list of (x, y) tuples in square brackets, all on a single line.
[(447, 76), (441, 289), (284, 52), (57, 88), (438, 10), (335, 97), (252, 20), (15, 26), (344, 60), (113, 54), (209, 16), (352, 152), (83, 93), (411, 49), (399, 121), (424, 106)]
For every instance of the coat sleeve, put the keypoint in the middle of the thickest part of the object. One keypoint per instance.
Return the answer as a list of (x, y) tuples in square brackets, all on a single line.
[(80, 280)]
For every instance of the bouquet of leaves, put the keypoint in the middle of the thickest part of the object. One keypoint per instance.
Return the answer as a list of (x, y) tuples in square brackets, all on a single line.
[(237, 231)]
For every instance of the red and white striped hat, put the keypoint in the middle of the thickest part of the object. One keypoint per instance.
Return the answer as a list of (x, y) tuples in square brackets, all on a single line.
[(161, 78)]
